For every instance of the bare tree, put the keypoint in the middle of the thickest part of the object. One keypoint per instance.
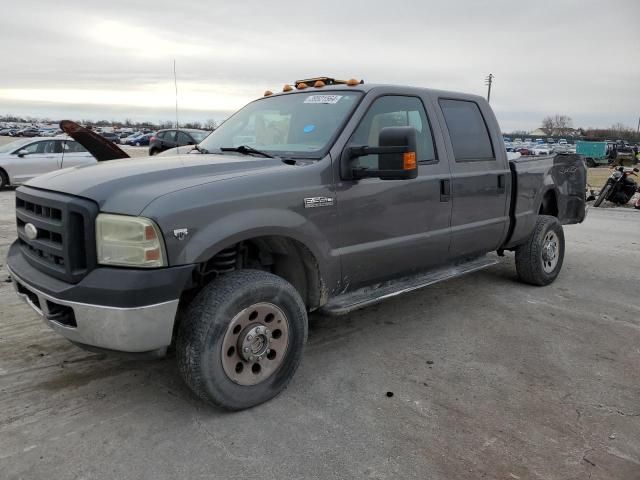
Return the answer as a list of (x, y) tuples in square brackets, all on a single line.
[(547, 125), (210, 124), (563, 125), (558, 125)]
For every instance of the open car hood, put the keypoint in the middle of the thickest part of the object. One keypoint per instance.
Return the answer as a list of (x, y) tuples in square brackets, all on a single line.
[(98, 146)]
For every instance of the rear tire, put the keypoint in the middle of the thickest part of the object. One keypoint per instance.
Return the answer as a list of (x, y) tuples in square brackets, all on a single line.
[(153, 151), (217, 329), (591, 163), (539, 260), (4, 179), (602, 195)]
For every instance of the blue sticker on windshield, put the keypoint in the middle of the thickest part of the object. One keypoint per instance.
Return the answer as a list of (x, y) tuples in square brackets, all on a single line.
[(309, 128)]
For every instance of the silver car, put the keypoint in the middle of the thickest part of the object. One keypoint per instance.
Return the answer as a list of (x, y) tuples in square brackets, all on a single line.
[(26, 158)]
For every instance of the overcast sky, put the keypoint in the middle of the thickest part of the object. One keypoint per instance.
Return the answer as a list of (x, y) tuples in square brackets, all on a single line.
[(114, 59)]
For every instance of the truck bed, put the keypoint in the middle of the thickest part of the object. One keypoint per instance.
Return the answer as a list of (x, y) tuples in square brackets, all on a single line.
[(563, 178)]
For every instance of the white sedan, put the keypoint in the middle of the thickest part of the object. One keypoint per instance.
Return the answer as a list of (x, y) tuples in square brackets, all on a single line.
[(542, 149), (29, 157)]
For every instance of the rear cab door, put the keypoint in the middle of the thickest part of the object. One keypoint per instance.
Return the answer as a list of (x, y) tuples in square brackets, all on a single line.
[(480, 175)]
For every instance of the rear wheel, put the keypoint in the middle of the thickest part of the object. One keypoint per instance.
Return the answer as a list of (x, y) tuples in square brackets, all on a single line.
[(539, 260), (591, 163), (154, 151), (4, 179), (242, 338), (602, 195)]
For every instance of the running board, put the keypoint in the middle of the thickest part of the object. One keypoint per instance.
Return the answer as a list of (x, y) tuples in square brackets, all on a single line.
[(348, 302)]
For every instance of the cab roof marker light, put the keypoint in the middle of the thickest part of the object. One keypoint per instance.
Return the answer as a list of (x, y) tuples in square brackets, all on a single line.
[(328, 81), (268, 93), (319, 84), (287, 88)]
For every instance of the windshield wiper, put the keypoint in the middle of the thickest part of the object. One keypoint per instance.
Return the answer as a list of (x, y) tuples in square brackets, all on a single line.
[(200, 149), (245, 150)]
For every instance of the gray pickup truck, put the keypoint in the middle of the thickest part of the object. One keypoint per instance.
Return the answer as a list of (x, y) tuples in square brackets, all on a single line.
[(328, 196)]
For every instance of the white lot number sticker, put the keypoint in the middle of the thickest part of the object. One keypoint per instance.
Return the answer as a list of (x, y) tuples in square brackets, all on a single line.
[(331, 99)]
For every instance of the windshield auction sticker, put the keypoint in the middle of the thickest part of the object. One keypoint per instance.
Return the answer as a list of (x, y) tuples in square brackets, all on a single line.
[(323, 99)]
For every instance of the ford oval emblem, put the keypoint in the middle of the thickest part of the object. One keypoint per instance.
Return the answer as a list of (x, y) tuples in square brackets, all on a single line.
[(31, 231)]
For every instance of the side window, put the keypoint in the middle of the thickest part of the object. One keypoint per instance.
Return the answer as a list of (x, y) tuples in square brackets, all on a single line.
[(169, 136), (183, 139), (394, 111), (467, 130), (36, 147), (74, 147)]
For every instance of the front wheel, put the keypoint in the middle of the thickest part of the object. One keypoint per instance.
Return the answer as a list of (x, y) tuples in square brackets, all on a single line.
[(604, 193), (539, 260), (242, 339), (4, 179)]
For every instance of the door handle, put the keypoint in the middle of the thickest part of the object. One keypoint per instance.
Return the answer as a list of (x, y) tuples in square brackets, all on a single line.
[(501, 188), (445, 190)]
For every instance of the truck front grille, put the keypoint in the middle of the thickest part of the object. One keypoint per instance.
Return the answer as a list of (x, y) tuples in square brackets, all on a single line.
[(64, 245)]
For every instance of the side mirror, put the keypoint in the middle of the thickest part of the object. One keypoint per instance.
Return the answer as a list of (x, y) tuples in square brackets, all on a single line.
[(23, 153), (396, 155)]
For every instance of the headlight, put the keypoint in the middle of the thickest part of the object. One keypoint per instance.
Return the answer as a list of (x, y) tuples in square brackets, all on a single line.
[(129, 241)]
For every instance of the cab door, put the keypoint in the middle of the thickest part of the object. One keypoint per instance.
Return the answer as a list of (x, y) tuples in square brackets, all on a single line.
[(389, 228), (480, 177)]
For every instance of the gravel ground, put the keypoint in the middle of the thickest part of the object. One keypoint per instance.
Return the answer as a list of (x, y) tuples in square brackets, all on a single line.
[(478, 377)]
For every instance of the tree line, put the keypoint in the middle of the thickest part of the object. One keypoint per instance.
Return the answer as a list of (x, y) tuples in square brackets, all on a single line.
[(210, 124)]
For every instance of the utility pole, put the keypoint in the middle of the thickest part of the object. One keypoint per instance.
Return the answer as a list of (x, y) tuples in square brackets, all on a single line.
[(488, 81), (638, 125)]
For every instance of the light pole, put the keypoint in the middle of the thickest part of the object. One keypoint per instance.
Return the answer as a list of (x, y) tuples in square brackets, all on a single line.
[(488, 81)]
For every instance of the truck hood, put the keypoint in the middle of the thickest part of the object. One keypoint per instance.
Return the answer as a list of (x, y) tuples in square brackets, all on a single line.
[(126, 186)]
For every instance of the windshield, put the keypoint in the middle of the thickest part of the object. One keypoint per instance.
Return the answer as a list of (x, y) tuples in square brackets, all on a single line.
[(294, 125), (10, 147)]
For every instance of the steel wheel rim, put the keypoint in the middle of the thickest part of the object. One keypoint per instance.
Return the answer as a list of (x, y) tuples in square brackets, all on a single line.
[(550, 252), (255, 344)]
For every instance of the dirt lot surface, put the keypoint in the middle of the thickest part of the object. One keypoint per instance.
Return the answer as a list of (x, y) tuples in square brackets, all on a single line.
[(478, 377)]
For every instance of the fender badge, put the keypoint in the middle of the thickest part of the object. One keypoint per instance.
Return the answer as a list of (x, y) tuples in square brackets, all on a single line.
[(181, 233), (314, 202)]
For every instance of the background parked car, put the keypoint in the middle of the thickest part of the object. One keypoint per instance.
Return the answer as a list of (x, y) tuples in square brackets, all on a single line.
[(140, 140), (114, 137), (26, 158), (28, 132), (10, 132), (542, 149), (171, 138)]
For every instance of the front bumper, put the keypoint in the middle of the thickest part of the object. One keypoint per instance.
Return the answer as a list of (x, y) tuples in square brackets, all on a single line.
[(136, 328)]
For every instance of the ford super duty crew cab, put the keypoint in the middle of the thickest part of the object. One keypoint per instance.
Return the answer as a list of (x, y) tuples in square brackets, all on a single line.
[(327, 196)]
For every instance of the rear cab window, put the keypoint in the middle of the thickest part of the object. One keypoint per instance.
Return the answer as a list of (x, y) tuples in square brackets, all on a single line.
[(468, 130)]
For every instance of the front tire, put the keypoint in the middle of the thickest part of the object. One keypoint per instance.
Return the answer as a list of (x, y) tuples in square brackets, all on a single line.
[(539, 260), (604, 193), (4, 179), (242, 339)]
